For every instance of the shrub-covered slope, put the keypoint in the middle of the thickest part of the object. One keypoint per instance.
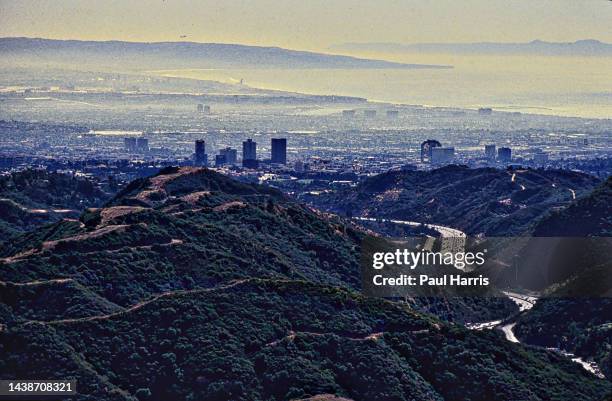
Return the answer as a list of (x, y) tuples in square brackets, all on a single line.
[(31, 198), (280, 340), (184, 229), (193, 228), (190, 285), (590, 215), (565, 319), (483, 200), (581, 326)]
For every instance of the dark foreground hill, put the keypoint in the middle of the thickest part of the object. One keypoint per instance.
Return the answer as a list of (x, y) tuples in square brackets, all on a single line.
[(577, 324), (282, 340), (184, 229), (31, 198), (192, 228), (190, 285), (581, 326), (483, 200), (590, 215)]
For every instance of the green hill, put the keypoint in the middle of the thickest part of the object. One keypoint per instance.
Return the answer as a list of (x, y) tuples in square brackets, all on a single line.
[(185, 229), (190, 285), (51, 299), (581, 326), (590, 215), (565, 319), (31, 198), (279, 340), (190, 228), (483, 200)]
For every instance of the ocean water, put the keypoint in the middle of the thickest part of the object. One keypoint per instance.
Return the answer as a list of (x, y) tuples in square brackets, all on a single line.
[(567, 86)]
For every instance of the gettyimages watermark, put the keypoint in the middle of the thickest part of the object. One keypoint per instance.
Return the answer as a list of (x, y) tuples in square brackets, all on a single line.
[(484, 267)]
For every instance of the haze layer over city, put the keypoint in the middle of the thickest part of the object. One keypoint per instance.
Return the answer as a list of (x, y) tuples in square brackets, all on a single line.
[(436, 91)]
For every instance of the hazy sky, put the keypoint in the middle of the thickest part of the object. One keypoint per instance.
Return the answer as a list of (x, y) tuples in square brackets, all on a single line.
[(309, 24)]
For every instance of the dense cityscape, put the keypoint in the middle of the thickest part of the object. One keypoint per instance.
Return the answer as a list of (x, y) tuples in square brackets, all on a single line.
[(340, 147)]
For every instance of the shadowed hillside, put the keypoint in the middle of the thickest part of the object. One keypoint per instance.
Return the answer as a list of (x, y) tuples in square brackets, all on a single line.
[(31, 198), (573, 323), (484, 200), (184, 229), (191, 285), (278, 340), (590, 215)]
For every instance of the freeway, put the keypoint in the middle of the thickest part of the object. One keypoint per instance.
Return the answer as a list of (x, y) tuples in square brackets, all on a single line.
[(526, 302), (453, 240), (443, 230)]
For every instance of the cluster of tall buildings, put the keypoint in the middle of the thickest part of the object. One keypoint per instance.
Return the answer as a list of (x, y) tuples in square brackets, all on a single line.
[(203, 108), (229, 156), (433, 152), (135, 144), (226, 156), (503, 154)]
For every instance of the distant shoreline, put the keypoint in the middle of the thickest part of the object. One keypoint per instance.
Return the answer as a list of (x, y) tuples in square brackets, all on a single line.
[(543, 110)]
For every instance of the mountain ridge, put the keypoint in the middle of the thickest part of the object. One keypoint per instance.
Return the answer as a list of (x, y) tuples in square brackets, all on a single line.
[(346, 344), (584, 47), (30, 198), (482, 200), (176, 55), (191, 285)]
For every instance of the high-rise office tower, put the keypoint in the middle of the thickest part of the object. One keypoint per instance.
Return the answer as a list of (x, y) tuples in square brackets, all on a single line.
[(504, 155), (201, 158), (249, 154), (231, 155), (130, 144), (441, 155), (142, 145), (249, 149), (279, 150), (490, 151), (220, 160)]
